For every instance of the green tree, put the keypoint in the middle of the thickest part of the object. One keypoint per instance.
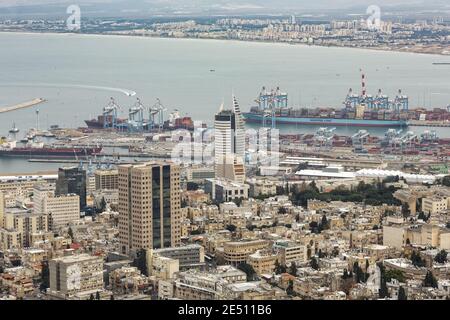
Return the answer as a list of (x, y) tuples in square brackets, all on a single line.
[(282, 210), (92, 297), (238, 201), (417, 260), (383, 292), (395, 274), (441, 257), (430, 280), (97, 295), (112, 297), (279, 268), (103, 205), (314, 263), (402, 294), (324, 225), (248, 269), (290, 288), (70, 233), (293, 269), (406, 212), (446, 181)]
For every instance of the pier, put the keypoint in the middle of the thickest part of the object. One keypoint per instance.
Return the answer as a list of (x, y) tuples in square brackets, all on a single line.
[(23, 105)]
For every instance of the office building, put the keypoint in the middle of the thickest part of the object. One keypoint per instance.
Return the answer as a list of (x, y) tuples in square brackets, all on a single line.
[(229, 144), (149, 206), (72, 180)]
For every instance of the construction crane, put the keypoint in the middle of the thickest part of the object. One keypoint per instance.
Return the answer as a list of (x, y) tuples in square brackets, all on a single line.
[(110, 114), (136, 117), (358, 140)]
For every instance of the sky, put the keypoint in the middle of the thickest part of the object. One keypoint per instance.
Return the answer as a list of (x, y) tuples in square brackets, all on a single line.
[(215, 6)]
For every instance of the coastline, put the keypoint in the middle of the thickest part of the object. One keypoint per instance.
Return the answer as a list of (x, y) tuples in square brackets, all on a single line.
[(136, 36)]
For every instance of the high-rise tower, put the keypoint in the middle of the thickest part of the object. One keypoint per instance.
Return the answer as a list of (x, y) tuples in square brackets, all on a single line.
[(149, 206)]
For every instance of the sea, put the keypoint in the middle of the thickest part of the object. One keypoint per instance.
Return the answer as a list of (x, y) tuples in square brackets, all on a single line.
[(78, 74)]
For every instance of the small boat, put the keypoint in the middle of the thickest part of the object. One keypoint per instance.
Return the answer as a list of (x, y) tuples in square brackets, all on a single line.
[(212, 70), (14, 129)]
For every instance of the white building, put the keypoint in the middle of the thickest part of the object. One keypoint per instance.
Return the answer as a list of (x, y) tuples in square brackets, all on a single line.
[(61, 210), (76, 275), (229, 143)]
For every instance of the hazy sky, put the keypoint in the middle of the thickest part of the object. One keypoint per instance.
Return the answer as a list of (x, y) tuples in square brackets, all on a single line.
[(117, 7), (262, 3)]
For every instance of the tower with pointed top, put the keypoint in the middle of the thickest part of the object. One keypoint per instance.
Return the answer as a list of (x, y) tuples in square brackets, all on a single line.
[(230, 143)]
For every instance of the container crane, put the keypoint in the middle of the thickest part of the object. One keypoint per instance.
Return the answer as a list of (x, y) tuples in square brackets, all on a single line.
[(136, 117), (358, 140), (110, 114)]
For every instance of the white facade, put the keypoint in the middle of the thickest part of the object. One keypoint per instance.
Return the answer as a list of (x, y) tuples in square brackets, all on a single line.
[(60, 209)]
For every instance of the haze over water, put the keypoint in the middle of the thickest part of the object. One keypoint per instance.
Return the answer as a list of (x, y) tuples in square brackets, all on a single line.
[(78, 74)]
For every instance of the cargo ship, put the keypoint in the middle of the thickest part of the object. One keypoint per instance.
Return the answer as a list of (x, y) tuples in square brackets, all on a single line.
[(358, 111), (39, 150), (103, 122)]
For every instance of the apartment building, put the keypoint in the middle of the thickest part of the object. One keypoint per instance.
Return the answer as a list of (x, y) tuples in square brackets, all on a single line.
[(76, 275), (290, 252), (189, 256), (263, 261), (435, 204), (61, 209), (223, 190), (106, 179), (236, 252), (19, 226)]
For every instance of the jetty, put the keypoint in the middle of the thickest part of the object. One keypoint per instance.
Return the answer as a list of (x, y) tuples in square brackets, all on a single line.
[(23, 105)]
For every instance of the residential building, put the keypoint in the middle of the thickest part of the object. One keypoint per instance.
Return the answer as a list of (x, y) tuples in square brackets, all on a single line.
[(263, 261), (76, 275), (223, 190), (106, 179), (61, 210), (236, 252)]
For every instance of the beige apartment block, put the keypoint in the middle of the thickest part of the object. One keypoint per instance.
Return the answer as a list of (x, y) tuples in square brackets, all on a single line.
[(262, 261), (149, 206), (434, 205), (238, 252), (106, 179), (76, 274)]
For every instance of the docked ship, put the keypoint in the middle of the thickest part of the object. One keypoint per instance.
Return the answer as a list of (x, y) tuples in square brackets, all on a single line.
[(362, 110), (103, 122), (39, 150)]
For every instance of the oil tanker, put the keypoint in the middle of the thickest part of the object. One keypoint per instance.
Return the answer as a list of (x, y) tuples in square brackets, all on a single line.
[(38, 150), (362, 110)]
